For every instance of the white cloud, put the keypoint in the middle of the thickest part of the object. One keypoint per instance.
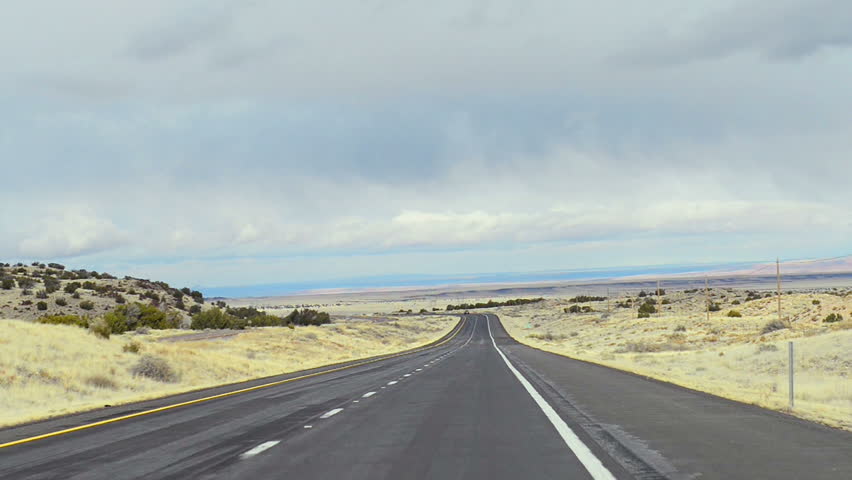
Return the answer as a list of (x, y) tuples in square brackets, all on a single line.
[(71, 233)]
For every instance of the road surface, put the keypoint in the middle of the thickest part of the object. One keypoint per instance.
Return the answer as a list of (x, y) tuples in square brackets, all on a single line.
[(480, 406)]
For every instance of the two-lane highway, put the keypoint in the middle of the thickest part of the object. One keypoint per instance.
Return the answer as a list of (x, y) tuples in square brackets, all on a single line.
[(479, 406)]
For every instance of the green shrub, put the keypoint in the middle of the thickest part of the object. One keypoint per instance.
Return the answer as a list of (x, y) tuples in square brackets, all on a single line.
[(87, 304), (734, 314), (715, 307), (76, 295), (89, 285), (194, 309), (7, 283), (24, 282), (100, 328), (41, 305), (665, 301), (586, 298), (833, 317), (735, 302), (120, 300), (72, 287), (308, 317), (135, 315), (27, 303), (61, 302), (51, 284), (680, 328), (217, 319), (197, 296), (573, 309), (41, 294), (132, 347), (644, 315), (647, 308), (154, 368), (75, 320), (815, 302)]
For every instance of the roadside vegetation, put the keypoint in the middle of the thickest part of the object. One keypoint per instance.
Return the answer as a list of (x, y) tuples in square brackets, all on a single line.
[(492, 304)]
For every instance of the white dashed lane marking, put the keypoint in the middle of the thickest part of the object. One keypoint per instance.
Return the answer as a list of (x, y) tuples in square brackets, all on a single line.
[(368, 394), (331, 413), (392, 383), (260, 448)]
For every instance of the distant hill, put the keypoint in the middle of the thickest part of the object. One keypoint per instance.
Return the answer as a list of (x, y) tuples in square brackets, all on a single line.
[(28, 292)]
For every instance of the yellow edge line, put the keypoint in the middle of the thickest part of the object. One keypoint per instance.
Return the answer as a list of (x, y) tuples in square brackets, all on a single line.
[(458, 328)]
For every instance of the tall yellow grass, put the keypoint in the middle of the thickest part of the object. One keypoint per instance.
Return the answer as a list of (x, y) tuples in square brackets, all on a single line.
[(725, 356), (49, 370)]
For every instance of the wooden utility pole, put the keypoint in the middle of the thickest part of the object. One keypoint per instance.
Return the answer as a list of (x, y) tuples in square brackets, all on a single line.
[(707, 295), (778, 278)]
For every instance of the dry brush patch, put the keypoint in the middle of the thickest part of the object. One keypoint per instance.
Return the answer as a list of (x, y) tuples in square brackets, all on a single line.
[(743, 358), (49, 370)]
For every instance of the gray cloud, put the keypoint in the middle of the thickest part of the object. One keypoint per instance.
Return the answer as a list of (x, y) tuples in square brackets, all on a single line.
[(780, 30), (403, 133)]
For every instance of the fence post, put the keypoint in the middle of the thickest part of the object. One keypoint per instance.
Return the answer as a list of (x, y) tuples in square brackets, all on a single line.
[(790, 349)]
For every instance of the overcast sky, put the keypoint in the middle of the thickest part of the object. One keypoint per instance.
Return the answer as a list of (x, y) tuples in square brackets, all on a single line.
[(243, 142)]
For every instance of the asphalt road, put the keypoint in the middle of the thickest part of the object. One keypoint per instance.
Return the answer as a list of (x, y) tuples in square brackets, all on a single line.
[(481, 406)]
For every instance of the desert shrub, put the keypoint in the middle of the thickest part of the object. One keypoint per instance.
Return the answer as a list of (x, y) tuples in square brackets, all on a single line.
[(436, 309), (131, 291), (197, 296), (665, 301), (101, 381), (714, 307), (119, 299), (186, 291), (772, 326), (644, 315), (26, 303), (133, 316), (24, 282), (423, 310), (26, 292), (734, 314), (72, 287), (7, 283), (41, 294), (51, 284), (142, 330), (548, 337), (643, 293), (89, 285), (766, 347), (61, 302), (308, 316), (660, 291), (65, 320), (586, 298), (155, 368), (75, 295), (647, 308), (132, 347), (735, 302), (680, 328), (833, 317), (491, 303), (194, 309), (41, 305), (180, 305), (56, 266), (87, 304), (815, 302), (217, 319), (573, 309), (100, 328)]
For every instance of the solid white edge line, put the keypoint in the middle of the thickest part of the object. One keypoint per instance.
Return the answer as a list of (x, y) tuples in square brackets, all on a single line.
[(260, 448), (331, 412), (593, 465)]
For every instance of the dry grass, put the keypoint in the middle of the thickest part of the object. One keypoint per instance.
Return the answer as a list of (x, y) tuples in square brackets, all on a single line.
[(736, 358), (48, 370)]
